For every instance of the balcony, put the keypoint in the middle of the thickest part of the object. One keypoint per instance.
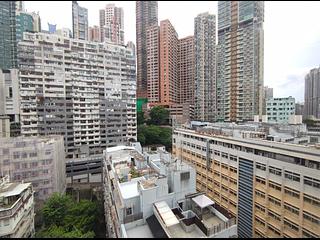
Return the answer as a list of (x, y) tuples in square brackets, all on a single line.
[(290, 232), (292, 200), (275, 193), (261, 187), (260, 214), (291, 216), (262, 201), (312, 227), (260, 227)]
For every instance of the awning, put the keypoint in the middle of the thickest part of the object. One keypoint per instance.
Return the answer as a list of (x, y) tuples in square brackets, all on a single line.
[(203, 201), (166, 214)]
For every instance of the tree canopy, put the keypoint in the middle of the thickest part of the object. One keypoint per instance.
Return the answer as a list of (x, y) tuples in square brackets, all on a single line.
[(65, 218), (159, 116), (148, 135)]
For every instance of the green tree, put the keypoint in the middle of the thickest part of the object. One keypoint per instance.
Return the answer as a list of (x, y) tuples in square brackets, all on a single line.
[(141, 137), (60, 232), (82, 216), (54, 210), (63, 217), (140, 118), (159, 116)]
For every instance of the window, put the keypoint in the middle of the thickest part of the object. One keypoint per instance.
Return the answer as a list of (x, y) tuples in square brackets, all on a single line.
[(260, 180), (312, 218), (185, 176), (224, 155), (292, 176), (291, 225), (275, 171), (275, 186), (291, 208), (274, 201), (292, 192), (312, 182), (261, 166), (233, 158), (274, 215), (260, 194), (129, 211), (312, 200), (259, 207), (308, 234)]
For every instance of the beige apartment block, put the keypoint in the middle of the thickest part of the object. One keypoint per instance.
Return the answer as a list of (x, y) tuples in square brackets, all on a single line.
[(271, 187)]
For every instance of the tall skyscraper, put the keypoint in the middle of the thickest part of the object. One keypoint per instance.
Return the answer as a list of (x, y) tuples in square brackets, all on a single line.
[(112, 24), (186, 70), (312, 94), (169, 64), (153, 63), (8, 45), (146, 15), (240, 60), (79, 21), (93, 107), (205, 67)]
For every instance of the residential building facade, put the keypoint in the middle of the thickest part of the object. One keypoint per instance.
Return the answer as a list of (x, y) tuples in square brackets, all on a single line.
[(9, 99), (272, 188), (112, 24), (153, 63), (186, 70), (38, 160), (79, 21), (279, 110), (240, 60), (87, 92), (312, 94), (146, 15), (205, 67), (169, 67), (16, 209), (94, 34)]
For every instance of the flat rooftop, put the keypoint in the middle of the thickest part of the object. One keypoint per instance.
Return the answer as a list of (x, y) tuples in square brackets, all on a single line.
[(142, 231), (129, 189), (176, 231)]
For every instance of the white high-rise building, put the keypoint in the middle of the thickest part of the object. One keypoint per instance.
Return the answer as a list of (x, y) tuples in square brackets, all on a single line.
[(82, 90)]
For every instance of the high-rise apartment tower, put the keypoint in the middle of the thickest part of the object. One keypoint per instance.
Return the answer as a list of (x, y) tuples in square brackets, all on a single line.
[(205, 67), (240, 60), (146, 15), (312, 93), (79, 21), (112, 24)]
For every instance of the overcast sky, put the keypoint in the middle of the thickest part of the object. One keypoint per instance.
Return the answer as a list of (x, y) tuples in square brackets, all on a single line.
[(291, 29)]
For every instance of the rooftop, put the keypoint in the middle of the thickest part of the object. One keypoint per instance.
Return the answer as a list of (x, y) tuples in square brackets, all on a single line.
[(129, 189)]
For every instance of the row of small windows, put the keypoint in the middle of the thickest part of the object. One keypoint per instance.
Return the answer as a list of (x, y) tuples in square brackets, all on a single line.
[(273, 155), (289, 175)]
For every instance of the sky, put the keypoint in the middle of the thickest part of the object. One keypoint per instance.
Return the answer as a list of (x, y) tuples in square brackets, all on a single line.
[(291, 33)]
